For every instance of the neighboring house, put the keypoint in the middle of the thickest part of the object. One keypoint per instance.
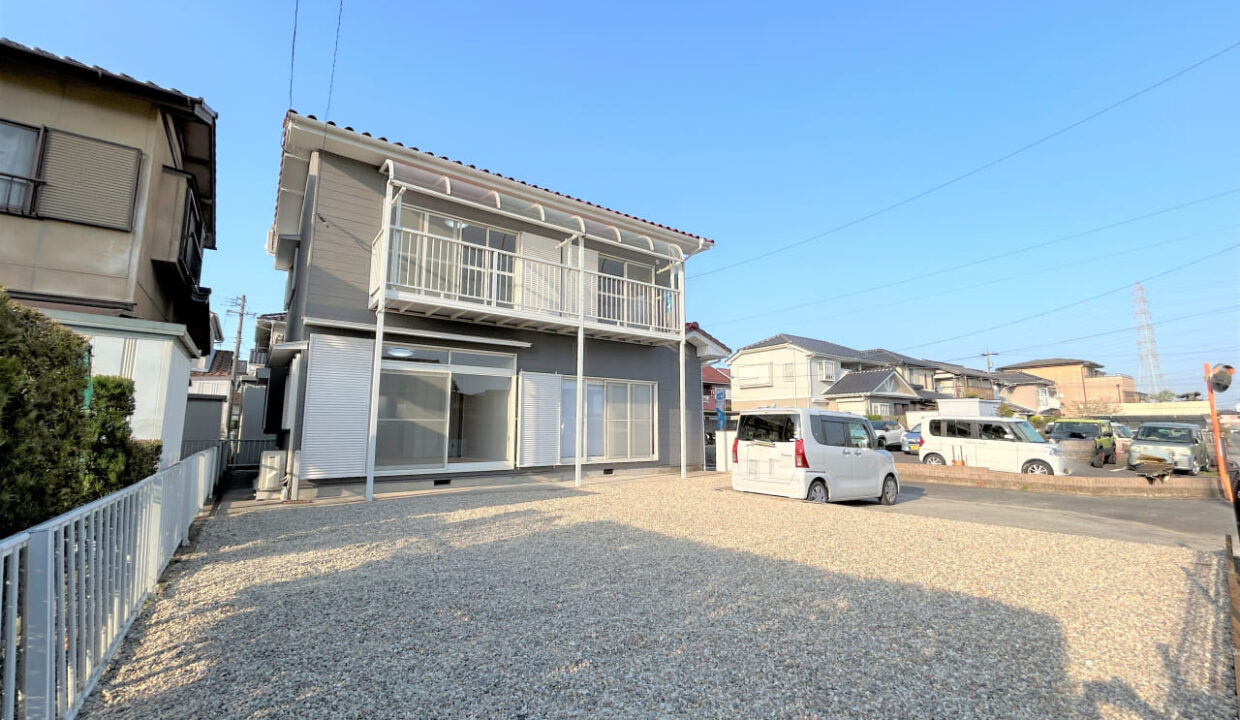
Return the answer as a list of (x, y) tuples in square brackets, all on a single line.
[(873, 392), (791, 371), (917, 372), (269, 330), (710, 350), (959, 381), (107, 202), (1026, 392), (215, 378), (445, 319), (1083, 388)]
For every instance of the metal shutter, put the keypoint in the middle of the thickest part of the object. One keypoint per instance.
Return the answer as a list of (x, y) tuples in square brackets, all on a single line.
[(540, 285), (540, 420), (335, 428), (88, 181)]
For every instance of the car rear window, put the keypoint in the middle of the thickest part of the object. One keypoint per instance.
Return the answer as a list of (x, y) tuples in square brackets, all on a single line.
[(1086, 430), (767, 428)]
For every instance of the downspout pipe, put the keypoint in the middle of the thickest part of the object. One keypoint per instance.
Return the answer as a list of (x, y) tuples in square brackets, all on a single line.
[(376, 360)]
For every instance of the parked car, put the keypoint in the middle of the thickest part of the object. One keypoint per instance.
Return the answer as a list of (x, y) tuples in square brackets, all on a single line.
[(1123, 439), (997, 443), (1180, 445), (816, 455), (1100, 431), (911, 440), (888, 432)]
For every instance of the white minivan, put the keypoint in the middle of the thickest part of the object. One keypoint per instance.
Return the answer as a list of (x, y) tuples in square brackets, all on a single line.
[(815, 455), (997, 443)]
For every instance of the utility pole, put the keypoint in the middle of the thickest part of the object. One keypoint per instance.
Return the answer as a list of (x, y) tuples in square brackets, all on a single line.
[(238, 302), (994, 393)]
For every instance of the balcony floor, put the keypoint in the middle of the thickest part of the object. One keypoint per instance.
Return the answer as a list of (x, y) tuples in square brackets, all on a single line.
[(414, 303)]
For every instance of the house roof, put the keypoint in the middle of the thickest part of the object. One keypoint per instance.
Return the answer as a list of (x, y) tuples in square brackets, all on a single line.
[(931, 395), (961, 370), (862, 382), (193, 116), (695, 327), (716, 376), (274, 317), (1020, 378), (894, 358), (1049, 362), (294, 114), (220, 366), (816, 346)]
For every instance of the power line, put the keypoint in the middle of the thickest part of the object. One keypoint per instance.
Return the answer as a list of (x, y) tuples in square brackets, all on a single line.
[(990, 258), (331, 83), (1091, 298), (1104, 334), (292, 56), (975, 170)]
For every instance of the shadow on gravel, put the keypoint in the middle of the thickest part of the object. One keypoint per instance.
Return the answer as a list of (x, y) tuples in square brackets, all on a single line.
[(515, 616)]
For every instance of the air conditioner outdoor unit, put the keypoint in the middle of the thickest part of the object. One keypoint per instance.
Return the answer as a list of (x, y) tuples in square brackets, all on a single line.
[(271, 471)]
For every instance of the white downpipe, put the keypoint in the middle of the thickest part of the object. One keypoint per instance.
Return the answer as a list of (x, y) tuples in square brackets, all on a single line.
[(580, 434), (684, 436), (376, 364)]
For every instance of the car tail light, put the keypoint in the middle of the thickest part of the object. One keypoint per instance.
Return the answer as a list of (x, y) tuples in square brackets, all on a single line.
[(735, 440), (800, 454)]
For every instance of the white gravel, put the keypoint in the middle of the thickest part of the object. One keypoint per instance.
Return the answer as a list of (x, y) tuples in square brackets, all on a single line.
[(667, 598)]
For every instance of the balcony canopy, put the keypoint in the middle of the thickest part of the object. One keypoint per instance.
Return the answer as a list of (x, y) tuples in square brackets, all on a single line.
[(505, 203)]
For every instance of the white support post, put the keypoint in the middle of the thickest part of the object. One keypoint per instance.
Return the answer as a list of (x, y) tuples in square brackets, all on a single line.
[(684, 436), (39, 627), (580, 439), (376, 364)]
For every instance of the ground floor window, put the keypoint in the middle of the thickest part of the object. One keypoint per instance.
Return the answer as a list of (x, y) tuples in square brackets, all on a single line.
[(440, 408), (619, 420)]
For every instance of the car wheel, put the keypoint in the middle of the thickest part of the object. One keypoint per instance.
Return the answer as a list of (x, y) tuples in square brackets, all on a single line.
[(933, 459), (1099, 459), (890, 490), (1037, 467), (882, 443), (1195, 469), (817, 492), (1111, 459)]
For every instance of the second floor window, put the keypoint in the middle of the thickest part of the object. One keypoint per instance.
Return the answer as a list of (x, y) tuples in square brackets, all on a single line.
[(17, 166), (191, 238)]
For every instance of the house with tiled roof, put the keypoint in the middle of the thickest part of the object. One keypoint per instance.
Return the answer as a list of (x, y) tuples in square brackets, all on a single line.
[(1082, 386), (442, 319), (107, 205), (1037, 394), (791, 371)]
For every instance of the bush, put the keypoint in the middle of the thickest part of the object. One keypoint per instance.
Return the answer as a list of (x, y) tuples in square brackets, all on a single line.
[(115, 459), (873, 417), (1038, 422), (55, 453), (43, 432)]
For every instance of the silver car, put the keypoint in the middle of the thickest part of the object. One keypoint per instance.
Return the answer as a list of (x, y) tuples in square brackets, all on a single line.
[(1177, 444)]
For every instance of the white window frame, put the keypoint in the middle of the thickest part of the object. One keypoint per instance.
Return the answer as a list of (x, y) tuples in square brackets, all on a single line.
[(607, 457), (450, 368), (755, 375), (824, 368)]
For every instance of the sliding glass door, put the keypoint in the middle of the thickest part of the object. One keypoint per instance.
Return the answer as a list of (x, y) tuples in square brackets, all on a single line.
[(619, 420), (444, 409)]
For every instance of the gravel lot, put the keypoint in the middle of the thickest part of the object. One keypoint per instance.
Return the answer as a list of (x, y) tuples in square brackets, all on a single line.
[(667, 598)]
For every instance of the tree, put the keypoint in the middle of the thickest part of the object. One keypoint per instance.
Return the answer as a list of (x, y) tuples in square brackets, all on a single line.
[(43, 433), (115, 459), (1163, 396)]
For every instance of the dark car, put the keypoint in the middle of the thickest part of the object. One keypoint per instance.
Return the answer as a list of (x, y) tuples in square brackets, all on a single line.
[(1099, 431)]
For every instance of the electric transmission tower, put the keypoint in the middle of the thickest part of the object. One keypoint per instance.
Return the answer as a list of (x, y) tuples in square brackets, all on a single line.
[(1151, 378)]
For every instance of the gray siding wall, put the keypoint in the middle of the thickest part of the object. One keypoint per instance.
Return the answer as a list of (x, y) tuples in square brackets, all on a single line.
[(344, 201)]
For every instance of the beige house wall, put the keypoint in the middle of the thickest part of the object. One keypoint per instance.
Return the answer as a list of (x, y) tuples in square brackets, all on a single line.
[(1077, 388), (64, 258)]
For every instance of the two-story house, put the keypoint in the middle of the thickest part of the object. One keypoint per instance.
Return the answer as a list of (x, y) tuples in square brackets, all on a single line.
[(963, 382), (1028, 392), (445, 319), (1083, 388), (107, 202), (794, 371)]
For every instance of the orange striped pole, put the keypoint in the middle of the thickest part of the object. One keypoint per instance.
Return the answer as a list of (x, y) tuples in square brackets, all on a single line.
[(1218, 440)]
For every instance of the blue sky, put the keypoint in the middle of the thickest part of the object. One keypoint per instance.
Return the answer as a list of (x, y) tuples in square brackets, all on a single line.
[(759, 125)]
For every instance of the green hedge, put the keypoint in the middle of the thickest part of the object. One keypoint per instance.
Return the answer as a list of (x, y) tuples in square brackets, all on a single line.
[(55, 453)]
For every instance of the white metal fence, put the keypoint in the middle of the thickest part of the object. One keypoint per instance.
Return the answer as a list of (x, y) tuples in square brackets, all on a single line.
[(74, 584)]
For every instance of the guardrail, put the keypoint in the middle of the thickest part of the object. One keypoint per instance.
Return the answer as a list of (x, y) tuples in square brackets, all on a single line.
[(73, 585)]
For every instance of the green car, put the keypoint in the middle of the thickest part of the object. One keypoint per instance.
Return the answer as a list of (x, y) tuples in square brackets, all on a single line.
[(1100, 431)]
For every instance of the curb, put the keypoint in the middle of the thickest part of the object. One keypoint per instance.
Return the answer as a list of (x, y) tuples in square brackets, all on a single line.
[(1074, 485)]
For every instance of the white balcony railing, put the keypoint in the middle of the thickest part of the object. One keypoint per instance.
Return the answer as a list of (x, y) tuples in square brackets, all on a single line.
[(458, 274)]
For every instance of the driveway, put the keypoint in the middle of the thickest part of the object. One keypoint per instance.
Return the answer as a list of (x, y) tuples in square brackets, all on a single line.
[(668, 598)]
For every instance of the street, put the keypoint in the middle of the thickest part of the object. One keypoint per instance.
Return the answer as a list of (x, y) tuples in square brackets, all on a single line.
[(1195, 524)]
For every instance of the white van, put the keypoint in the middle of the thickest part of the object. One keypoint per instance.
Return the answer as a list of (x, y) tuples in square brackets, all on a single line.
[(997, 443), (815, 455)]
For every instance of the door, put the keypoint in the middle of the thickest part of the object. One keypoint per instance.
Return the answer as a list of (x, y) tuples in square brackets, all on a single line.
[(832, 454), (997, 447), (766, 444), (867, 462)]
